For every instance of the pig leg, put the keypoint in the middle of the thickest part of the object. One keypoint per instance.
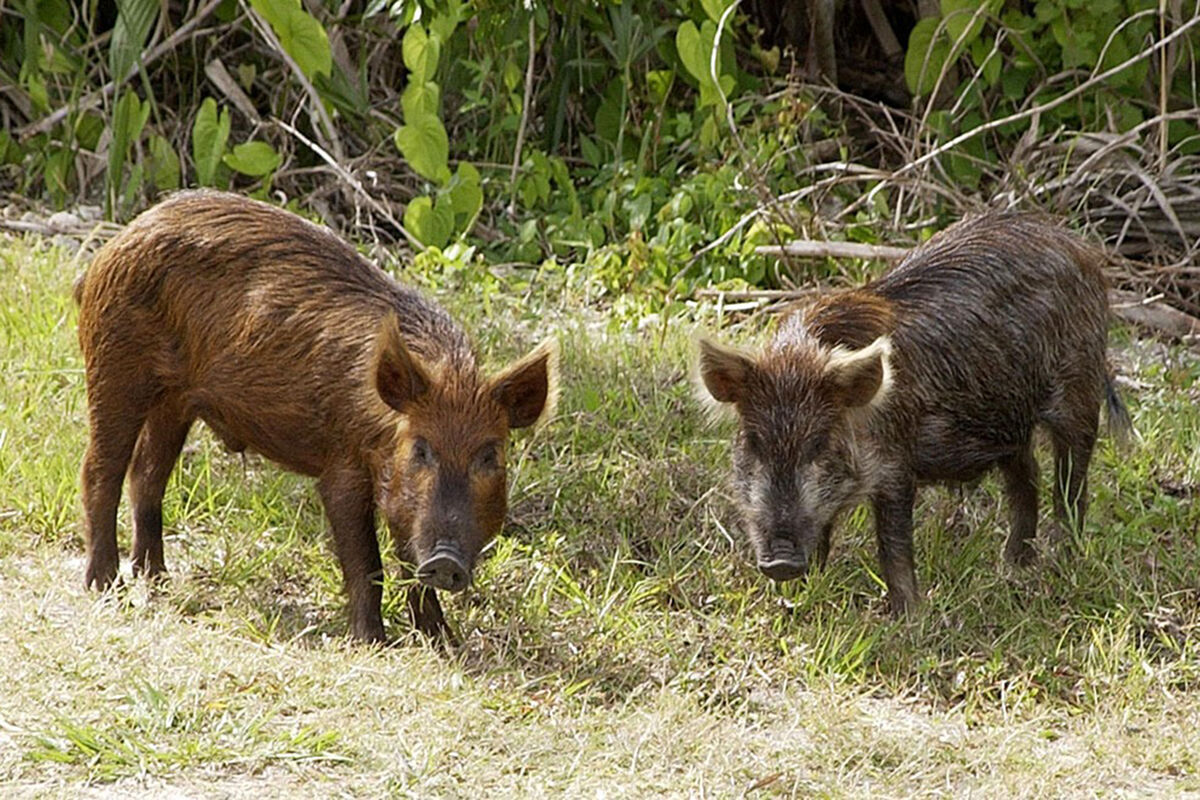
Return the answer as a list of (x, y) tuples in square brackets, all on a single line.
[(893, 529), (350, 507), (1021, 488), (158, 447), (426, 612), (115, 415), (1072, 454)]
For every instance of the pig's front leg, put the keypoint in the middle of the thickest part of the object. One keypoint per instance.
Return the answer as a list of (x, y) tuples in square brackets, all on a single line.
[(893, 528)]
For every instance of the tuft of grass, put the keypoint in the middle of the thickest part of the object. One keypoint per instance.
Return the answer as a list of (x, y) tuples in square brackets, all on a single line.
[(619, 639)]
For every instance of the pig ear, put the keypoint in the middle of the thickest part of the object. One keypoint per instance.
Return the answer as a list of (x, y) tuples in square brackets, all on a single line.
[(528, 390), (398, 376), (724, 371), (861, 377)]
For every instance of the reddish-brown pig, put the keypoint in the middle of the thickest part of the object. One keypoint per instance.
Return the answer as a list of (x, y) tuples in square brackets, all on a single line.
[(285, 341), (938, 371)]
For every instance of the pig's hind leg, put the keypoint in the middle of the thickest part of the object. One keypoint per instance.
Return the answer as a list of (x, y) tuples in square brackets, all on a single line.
[(116, 411), (1073, 434), (1072, 454), (158, 446), (350, 507)]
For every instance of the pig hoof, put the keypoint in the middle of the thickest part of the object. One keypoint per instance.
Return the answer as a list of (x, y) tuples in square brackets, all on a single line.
[(782, 569), (444, 570), (100, 575)]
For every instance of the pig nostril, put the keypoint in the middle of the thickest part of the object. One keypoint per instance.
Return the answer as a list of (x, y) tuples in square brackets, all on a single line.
[(781, 569), (444, 570)]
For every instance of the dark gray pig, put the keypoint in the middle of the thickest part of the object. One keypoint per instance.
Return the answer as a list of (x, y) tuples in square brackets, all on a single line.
[(938, 371)]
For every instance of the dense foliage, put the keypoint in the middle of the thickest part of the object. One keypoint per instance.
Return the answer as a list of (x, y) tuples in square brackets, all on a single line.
[(627, 135)]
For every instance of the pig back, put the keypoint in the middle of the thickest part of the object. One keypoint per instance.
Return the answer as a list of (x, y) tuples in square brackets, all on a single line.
[(996, 320), (258, 321)]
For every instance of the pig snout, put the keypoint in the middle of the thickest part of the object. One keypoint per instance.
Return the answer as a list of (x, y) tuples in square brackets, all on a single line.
[(445, 569), (782, 560)]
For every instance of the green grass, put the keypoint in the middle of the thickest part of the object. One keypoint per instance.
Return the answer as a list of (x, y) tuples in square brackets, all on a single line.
[(619, 640)]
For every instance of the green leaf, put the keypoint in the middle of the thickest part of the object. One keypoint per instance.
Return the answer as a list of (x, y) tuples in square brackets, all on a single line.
[(88, 129), (300, 34), (128, 120), (444, 22), (465, 195), (589, 150), (961, 15), (925, 57), (987, 60), (691, 50), (420, 52), (423, 142), (658, 82), (165, 170), (714, 8), (253, 158), (432, 226), (421, 99), (135, 18), (209, 135)]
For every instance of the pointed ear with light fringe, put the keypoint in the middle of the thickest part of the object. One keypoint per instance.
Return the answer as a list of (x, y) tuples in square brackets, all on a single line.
[(719, 376), (528, 389), (861, 378)]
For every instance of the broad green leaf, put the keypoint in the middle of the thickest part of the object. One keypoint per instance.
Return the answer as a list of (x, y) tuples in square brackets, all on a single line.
[(165, 170), (715, 8), (591, 153), (253, 158), (691, 50), (959, 14), (695, 47), (421, 53), (432, 226), (423, 143), (658, 82), (135, 18), (300, 34), (209, 135), (444, 22), (88, 130), (465, 195), (925, 57), (420, 99)]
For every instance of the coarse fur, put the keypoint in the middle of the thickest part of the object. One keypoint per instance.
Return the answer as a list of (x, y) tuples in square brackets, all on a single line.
[(285, 341), (938, 371)]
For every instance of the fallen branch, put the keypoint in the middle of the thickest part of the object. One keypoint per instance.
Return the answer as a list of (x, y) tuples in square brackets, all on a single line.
[(55, 225), (740, 295), (807, 248), (1154, 315)]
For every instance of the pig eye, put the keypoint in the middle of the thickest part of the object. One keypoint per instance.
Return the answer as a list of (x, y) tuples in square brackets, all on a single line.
[(488, 458), (814, 447), (422, 453)]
